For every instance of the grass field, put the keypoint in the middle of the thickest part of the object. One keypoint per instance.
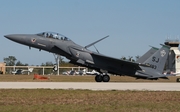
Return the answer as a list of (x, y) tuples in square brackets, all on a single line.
[(57, 100), (65, 78), (46, 100)]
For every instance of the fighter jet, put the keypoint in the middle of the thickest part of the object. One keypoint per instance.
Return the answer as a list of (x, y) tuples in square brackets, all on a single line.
[(150, 68)]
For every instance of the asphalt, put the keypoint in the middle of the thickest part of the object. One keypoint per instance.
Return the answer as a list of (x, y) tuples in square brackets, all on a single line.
[(92, 86)]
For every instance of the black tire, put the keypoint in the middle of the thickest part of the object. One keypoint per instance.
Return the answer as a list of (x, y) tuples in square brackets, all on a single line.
[(106, 78), (178, 80), (98, 78)]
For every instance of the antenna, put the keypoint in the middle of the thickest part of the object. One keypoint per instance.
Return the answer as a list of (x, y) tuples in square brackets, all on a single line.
[(96, 48), (96, 42)]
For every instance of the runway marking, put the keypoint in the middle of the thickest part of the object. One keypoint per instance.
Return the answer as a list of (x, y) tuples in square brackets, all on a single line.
[(92, 86)]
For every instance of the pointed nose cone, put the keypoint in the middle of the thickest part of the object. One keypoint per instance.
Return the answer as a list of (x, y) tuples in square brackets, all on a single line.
[(9, 37), (15, 37)]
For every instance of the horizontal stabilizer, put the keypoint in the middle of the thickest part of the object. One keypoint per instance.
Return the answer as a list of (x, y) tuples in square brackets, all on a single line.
[(96, 42)]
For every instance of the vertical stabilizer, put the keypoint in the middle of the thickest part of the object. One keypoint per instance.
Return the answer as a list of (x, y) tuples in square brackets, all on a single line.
[(158, 59), (148, 54)]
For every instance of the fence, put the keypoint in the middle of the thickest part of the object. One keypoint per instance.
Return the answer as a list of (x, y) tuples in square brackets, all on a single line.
[(43, 70)]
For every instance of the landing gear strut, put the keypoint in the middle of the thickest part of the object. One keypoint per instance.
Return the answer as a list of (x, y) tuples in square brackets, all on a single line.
[(100, 78)]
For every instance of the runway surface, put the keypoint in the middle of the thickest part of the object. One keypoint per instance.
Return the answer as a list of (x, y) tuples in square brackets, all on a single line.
[(91, 86)]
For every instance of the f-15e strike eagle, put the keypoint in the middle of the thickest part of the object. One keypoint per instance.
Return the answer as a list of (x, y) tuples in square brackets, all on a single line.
[(150, 66)]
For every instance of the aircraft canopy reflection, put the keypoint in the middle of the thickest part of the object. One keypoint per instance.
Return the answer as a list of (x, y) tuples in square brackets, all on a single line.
[(54, 35)]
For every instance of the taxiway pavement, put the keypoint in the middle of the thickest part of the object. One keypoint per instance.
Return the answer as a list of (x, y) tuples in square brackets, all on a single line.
[(92, 86)]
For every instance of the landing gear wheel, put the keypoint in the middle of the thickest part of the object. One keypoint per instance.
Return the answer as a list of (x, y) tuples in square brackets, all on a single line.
[(99, 78), (106, 78), (178, 80)]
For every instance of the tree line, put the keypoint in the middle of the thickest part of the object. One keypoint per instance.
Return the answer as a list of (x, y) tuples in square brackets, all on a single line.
[(12, 61)]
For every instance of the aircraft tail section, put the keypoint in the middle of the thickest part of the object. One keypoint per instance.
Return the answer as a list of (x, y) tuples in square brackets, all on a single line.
[(158, 59), (149, 53)]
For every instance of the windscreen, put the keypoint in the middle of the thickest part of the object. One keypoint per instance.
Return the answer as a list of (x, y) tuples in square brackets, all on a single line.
[(53, 35)]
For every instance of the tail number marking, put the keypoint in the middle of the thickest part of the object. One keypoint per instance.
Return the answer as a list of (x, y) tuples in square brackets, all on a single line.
[(151, 65)]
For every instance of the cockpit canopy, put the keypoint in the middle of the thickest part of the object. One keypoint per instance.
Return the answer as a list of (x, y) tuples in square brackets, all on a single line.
[(53, 35)]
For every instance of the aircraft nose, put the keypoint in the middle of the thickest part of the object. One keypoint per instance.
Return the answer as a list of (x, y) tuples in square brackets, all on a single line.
[(15, 37), (9, 36)]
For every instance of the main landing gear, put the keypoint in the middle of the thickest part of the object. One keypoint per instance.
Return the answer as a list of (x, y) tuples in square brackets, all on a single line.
[(101, 77)]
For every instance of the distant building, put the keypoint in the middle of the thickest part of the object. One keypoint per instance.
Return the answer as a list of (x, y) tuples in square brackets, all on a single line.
[(173, 61), (2, 68)]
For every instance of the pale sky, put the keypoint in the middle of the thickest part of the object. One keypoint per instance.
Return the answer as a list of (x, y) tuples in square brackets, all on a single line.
[(133, 25)]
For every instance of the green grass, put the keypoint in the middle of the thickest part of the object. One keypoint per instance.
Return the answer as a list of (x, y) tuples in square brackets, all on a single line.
[(46, 100), (64, 78)]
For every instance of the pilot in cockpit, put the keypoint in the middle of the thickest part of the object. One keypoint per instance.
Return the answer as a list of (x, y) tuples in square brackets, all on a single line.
[(65, 38)]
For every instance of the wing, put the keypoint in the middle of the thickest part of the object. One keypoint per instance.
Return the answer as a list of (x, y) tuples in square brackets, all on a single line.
[(114, 65)]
